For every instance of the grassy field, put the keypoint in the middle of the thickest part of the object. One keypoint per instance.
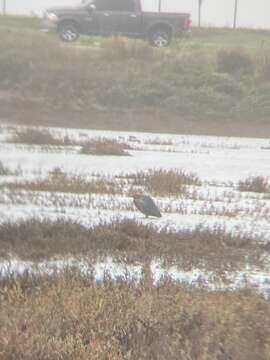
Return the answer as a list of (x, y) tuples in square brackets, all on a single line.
[(216, 82)]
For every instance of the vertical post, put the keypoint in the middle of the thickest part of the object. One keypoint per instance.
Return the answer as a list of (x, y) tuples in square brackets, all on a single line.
[(199, 12), (159, 6), (4, 7), (235, 14)]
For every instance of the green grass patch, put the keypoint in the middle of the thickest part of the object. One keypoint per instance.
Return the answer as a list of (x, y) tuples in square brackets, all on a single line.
[(22, 23)]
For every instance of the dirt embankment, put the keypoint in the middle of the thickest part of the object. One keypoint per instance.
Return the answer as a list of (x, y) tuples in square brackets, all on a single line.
[(155, 121)]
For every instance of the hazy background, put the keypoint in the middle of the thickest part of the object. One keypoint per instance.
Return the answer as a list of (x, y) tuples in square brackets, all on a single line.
[(254, 14)]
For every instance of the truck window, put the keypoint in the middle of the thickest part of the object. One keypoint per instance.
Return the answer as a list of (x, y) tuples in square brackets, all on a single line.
[(115, 5)]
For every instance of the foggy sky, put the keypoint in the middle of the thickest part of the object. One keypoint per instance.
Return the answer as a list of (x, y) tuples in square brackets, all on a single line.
[(252, 13)]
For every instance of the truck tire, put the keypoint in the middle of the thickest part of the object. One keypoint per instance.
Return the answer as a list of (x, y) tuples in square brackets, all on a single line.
[(160, 37), (68, 31)]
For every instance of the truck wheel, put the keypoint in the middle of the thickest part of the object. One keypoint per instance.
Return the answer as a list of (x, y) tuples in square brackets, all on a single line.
[(160, 37), (68, 32)]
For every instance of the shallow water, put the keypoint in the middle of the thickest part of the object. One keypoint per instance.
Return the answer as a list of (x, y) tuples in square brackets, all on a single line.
[(108, 268)]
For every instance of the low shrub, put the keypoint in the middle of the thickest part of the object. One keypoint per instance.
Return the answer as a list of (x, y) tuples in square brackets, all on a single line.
[(209, 102), (13, 71), (257, 184), (166, 182), (31, 136), (58, 181), (224, 84), (105, 147), (255, 105), (235, 61), (209, 249)]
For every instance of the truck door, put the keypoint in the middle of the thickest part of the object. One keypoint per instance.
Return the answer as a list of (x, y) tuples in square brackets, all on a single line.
[(91, 21), (119, 16), (129, 17)]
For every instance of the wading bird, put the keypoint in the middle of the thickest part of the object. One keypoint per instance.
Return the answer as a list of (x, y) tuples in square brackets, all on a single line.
[(146, 205)]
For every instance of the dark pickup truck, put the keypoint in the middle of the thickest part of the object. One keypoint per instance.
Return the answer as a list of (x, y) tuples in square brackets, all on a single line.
[(116, 17)]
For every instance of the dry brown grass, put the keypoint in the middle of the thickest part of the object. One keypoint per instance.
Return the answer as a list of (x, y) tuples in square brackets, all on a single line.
[(72, 318), (158, 141), (31, 136), (105, 147), (58, 181), (166, 182), (199, 248), (158, 182), (257, 184)]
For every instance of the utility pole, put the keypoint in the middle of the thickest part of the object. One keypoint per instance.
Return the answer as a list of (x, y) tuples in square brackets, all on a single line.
[(235, 13), (159, 5), (4, 7), (199, 12)]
